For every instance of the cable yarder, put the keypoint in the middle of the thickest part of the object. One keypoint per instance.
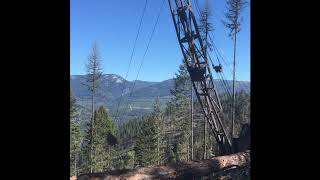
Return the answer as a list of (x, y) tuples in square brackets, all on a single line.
[(195, 58)]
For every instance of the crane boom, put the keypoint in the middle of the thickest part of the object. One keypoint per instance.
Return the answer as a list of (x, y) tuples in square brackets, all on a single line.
[(195, 58)]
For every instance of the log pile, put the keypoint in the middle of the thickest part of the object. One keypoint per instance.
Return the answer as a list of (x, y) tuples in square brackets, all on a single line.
[(186, 170)]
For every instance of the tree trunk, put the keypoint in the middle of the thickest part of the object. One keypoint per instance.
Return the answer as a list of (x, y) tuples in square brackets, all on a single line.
[(233, 86), (158, 151), (205, 140), (187, 170), (75, 164), (191, 124), (92, 126), (188, 150)]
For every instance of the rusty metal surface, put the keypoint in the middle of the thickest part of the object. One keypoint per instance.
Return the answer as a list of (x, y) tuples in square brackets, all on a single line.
[(195, 57)]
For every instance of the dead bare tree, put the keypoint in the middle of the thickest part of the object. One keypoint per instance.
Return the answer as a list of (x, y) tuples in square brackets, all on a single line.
[(205, 27), (232, 22), (93, 79)]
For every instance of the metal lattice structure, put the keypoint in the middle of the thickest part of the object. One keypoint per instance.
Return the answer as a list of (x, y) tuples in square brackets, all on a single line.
[(195, 58)]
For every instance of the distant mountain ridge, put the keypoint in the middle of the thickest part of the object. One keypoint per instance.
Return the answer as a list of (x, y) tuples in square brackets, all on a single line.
[(134, 102)]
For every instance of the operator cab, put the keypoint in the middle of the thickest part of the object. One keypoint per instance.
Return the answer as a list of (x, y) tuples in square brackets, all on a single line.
[(197, 73)]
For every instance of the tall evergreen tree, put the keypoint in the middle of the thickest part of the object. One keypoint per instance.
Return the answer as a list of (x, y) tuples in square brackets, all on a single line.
[(147, 147), (74, 147), (242, 110), (127, 136), (102, 152), (180, 107), (93, 80), (75, 137), (157, 119), (232, 22), (169, 156)]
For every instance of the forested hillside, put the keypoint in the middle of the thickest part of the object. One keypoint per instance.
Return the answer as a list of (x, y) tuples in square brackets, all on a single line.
[(134, 103), (161, 137), (193, 124)]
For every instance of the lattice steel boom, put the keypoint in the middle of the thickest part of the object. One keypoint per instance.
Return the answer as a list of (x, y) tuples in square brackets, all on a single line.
[(195, 58)]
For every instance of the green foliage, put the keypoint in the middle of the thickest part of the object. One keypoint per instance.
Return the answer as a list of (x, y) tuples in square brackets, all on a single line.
[(129, 131), (181, 112), (242, 110), (174, 142), (102, 154), (161, 137), (129, 159), (169, 155), (182, 83), (74, 146), (242, 107), (148, 141), (85, 149), (127, 136), (75, 137), (73, 108), (141, 100)]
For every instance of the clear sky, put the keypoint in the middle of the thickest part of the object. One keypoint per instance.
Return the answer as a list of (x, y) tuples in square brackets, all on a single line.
[(113, 25)]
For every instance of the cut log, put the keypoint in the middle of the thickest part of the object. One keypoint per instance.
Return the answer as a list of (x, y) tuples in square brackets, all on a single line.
[(186, 170)]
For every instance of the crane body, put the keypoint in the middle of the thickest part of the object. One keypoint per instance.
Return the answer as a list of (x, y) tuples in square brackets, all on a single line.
[(195, 58)]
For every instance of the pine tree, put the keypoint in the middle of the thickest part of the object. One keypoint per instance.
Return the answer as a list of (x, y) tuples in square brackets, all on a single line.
[(86, 149), (242, 110), (234, 8), (74, 147), (127, 136), (142, 147), (180, 107), (75, 137), (102, 151), (129, 160), (102, 154), (73, 108), (156, 116), (205, 26), (93, 80), (169, 153), (147, 149)]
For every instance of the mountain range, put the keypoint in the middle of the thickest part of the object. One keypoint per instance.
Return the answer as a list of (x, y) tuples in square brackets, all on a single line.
[(137, 96)]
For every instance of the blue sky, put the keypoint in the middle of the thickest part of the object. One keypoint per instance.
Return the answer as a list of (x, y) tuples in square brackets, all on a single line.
[(113, 25)]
